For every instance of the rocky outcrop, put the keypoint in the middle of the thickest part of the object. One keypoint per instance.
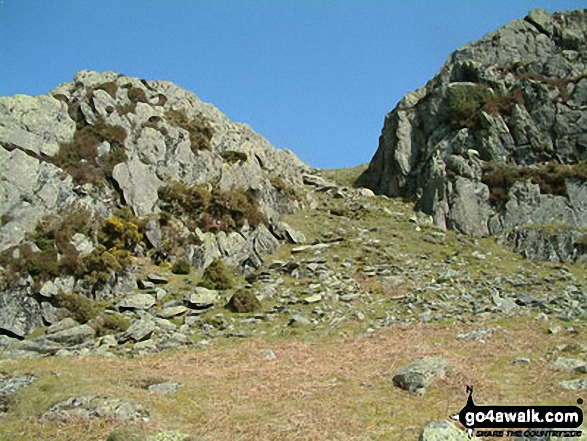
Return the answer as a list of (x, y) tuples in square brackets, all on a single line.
[(497, 139), (82, 173)]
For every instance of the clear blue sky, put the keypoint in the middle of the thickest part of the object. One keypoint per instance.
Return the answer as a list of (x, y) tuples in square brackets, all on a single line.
[(316, 76)]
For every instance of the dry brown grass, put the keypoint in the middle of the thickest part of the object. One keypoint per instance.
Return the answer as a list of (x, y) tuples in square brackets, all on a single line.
[(322, 389)]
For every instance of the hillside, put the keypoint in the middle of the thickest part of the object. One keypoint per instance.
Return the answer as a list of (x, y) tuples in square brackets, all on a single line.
[(496, 140), (167, 274)]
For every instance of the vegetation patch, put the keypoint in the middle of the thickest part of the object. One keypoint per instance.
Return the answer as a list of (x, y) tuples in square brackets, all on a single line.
[(81, 308), (216, 276), (551, 178), (198, 127), (181, 266), (79, 158), (213, 211), (243, 301), (232, 157), (107, 324), (467, 101)]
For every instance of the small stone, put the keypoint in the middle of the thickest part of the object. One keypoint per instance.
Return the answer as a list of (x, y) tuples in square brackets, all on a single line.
[(172, 311), (567, 364), (419, 374), (574, 385), (145, 284), (521, 360), (312, 299), (269, 355), (164, 388), (555, 329), (298, 320), (157, 279), (137, 301)]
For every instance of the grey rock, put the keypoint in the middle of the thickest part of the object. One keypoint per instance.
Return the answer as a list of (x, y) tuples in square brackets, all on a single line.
[(299, 321), (172, 311), (553, 244), (62, 325), (145, 284), (82, 244), (20, 314), (157, 279), (443, 431), (48, 289), (140, 330), (418, 375), (283, 231), (139, 184), (567, 364), (164, 388), (39, 345), (10, 385), (429, 153), (87, 407), (578, 384), (202, 298), (73, 336), (137, 301)]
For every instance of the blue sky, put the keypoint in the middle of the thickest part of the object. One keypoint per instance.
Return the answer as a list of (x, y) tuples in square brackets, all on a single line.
[(315, 76)]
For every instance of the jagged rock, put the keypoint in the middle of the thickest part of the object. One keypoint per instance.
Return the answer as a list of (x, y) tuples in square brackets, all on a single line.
[(140, 330), (283, 231), (578, 384), (418, 375), (507, 101), (550, 243), (36, 124), (139, 184), (20, 313), (82, 244), (137, 301), (73, 336), (62, 325), (97, 407), (567, 364)]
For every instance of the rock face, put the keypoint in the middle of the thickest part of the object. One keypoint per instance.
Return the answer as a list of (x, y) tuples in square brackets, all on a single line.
[(497, 139), (107, 169)]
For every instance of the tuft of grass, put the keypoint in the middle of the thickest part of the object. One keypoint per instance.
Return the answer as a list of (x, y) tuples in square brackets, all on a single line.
[(217, 276), (181, 266), (81, 308)]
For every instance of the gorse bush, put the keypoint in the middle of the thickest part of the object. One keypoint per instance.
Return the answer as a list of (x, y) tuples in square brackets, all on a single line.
[(198, 127)]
